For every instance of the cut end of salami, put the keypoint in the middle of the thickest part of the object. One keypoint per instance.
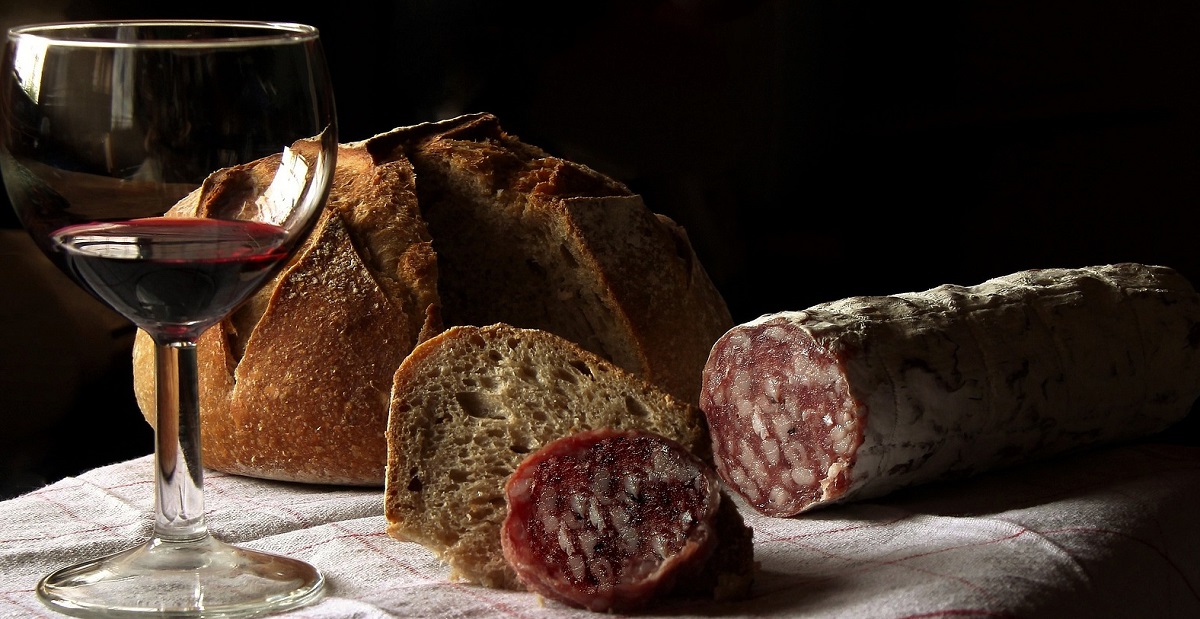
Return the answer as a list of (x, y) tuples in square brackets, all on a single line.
[(780, 463), (609, 520), (863, 396)]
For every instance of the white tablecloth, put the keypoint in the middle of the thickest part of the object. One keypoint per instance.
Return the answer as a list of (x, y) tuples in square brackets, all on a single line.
[(1113, 533)]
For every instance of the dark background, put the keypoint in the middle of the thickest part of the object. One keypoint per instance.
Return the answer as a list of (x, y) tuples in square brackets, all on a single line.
[(813, 150)]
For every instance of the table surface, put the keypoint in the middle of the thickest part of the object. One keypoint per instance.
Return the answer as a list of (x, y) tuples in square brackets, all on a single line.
[(1107, 533)]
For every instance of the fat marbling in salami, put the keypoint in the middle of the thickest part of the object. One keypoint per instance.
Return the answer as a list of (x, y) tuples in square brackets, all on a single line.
[(608, 520), (860, 397)]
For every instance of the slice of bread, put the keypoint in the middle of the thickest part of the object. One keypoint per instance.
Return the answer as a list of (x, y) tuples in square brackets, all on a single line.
[(470, 404)]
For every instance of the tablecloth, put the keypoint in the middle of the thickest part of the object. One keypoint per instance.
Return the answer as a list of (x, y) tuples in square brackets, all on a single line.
[(1109, 533)]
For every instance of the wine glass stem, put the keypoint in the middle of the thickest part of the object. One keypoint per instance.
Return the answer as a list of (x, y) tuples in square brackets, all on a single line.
[(179, 477)]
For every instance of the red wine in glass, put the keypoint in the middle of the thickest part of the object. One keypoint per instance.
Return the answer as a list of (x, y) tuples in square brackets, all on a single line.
[(172, 275)]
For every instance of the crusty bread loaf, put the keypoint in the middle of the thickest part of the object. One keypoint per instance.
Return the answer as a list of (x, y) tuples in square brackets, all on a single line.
[(453, 222), (470, 404)]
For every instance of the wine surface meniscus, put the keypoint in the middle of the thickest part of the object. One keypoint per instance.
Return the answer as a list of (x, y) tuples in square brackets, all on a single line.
[(172, 276)]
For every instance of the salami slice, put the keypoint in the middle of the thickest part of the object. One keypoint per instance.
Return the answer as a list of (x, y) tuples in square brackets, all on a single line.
[(608, 520), (860, 397)]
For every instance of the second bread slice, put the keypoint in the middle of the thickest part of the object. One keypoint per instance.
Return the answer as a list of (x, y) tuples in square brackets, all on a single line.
[(469, 404)]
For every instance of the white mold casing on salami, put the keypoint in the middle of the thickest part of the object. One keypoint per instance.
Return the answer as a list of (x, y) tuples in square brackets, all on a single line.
[(860, 397)]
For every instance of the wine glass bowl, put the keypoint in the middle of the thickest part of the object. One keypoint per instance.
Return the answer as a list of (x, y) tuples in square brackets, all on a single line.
[(171, 168)]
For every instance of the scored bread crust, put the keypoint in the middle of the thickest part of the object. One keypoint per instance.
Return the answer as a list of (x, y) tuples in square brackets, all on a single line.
[(294, 386), (470, 404), (536, 241)]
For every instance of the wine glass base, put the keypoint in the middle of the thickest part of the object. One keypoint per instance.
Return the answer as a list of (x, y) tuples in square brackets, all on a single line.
[(203, 577)]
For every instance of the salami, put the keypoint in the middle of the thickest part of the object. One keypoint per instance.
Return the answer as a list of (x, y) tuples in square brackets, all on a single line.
[(860, 397), (608, 520)]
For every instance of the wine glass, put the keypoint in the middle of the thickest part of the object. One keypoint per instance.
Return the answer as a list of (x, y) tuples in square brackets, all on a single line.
[(170, 167)]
